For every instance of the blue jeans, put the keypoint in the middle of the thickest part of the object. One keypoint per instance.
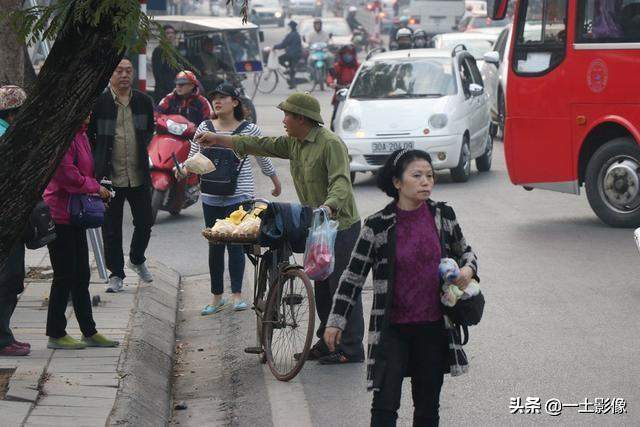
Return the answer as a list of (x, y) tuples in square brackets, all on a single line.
[(216, 253)]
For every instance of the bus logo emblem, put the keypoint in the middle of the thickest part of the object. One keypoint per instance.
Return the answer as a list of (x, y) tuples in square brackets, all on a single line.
[(597, 75)]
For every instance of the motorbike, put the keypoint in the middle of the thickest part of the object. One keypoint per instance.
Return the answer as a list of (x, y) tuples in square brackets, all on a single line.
[(318, 61), (170, 145), (360, 39)]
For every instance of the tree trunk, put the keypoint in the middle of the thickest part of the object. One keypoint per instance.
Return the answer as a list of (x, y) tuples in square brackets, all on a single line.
[(78, 68), (11, 48)]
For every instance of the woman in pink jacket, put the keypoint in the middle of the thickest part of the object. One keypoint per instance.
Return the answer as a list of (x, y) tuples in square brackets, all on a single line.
[(69, 253)]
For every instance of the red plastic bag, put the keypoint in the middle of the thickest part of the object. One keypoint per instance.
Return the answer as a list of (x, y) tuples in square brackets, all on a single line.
[(319, 252)]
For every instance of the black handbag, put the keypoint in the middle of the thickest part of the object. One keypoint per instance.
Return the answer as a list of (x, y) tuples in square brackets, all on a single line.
[(223, 181), (466, 312), (41, 230)]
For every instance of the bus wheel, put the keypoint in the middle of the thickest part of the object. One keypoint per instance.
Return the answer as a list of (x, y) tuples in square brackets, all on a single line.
[(613, 185)]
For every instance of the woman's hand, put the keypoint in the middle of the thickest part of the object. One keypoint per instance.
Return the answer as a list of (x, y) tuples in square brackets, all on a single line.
[(277, 187), (332, 337), (104, 193), (463, 280)]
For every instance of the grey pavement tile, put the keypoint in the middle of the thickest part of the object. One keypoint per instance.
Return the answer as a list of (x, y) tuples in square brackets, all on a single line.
[(62, 389), (82, 369), (98, 379), (71, 412), (89, 352), (13, 413), (23, 390), (49, 421), (80, 361), (76, 401)]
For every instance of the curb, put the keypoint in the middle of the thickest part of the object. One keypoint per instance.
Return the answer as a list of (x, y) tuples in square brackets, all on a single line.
[(145, 390)]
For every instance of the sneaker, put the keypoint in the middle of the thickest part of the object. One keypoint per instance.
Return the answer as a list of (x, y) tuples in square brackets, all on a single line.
[(99, 340), (318, 350), (339, 358), (240, 306), (211, 309), (66, 343), (22, 344), (115, 285), (14, 349), (142, 271)]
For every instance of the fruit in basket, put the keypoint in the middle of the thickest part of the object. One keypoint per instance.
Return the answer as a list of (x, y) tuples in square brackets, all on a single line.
[(237, 215), (223, 226), (249, 226)]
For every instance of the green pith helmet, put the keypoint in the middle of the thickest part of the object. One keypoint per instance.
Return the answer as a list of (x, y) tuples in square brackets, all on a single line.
[(303, 104)]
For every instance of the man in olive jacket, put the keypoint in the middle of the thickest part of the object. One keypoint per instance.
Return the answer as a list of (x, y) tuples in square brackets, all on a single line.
[(120, 130), (320, 170)]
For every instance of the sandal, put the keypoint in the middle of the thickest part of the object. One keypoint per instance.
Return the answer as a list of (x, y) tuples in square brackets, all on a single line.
[(212, 309)]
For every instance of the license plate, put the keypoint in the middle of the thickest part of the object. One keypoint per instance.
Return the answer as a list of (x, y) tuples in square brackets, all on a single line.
[(390, 147)]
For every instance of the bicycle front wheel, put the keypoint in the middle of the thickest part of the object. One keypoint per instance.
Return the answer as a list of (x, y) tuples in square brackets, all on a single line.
[(266, 81), (289, 324)]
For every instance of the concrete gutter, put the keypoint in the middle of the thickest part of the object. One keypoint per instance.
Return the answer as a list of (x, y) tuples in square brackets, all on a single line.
[(144, 394)]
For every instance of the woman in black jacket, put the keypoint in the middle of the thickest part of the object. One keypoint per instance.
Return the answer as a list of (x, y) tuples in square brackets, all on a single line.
[(408, 333)]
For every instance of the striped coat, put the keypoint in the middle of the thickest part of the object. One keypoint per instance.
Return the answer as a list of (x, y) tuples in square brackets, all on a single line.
[(375, 250)]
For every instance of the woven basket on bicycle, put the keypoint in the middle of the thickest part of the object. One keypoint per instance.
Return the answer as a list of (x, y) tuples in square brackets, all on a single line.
[(229, 238)]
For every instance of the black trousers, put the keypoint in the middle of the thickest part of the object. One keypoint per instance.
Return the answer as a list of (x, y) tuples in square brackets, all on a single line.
[(353, 333), (11, 284), (69, 256), (418, 351), (139, 199), (290, 62)]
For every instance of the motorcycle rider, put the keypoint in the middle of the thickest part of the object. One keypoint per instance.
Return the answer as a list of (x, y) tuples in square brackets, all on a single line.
[(351, 18), (403, 22), (318, 35), (403, 40), (342, 73), (186, 99), (292, 45), (420, 39)]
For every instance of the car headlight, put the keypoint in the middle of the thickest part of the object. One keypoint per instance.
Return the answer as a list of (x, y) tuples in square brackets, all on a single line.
[(438, 121), (278, 14), (350, 124)]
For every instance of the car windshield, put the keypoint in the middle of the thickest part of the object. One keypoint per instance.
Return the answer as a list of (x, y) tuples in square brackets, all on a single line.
[(476, 47), (405, 78), (337, 27), (266, 3), (484, 22)]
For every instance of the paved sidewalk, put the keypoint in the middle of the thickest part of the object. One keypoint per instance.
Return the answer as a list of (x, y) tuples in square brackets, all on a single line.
[(66, 387)]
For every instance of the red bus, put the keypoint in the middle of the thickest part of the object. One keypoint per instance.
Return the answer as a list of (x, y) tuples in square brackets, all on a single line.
[(573, 101)]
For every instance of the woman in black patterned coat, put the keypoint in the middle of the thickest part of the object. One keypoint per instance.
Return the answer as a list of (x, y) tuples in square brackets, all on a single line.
[(408, 333)]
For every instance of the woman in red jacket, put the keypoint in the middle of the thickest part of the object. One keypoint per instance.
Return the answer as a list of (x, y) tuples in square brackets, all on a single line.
[(69, 253), (342, 73)]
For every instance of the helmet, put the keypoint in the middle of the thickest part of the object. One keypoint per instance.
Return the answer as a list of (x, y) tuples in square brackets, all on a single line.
[(317, 21), (353, 9), (403, 32), (11, 97), (303, 104), (186, 77), (346, 48), (404, 19), (420, 33)]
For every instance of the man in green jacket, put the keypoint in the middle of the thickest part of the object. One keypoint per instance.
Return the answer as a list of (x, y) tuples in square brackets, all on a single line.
[(320, 170)]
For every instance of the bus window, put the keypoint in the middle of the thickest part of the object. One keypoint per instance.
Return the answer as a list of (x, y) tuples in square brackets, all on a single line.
[(610, 21), (541, 36)]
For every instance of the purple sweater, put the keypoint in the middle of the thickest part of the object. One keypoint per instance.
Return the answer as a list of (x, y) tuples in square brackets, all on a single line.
[(416, 293)]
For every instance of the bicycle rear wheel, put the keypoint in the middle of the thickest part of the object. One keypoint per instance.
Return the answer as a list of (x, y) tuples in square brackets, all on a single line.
[(289, 324), (266, 81)]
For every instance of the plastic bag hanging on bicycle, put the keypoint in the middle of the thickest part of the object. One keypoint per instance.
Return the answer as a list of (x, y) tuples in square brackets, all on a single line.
[(319, 253)]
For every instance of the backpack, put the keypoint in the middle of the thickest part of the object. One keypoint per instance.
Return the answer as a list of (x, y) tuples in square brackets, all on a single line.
[(41, 230), (223, 181)]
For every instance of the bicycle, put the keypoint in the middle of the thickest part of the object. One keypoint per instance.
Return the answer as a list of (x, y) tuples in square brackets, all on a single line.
[(266, 81), (284, 305)]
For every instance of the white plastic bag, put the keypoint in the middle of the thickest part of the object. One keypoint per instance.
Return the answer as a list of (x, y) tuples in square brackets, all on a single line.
[(199, 164), (319, 253)]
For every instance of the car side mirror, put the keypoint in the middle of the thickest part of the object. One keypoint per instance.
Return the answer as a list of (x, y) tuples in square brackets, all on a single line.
[(261, 36), (492, 57), (341, 95), (476, 89)]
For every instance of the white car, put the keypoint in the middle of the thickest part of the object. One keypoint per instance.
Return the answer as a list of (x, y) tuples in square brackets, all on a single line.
[(267, 12), (494, 72), (427, 99), (476, 43)]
